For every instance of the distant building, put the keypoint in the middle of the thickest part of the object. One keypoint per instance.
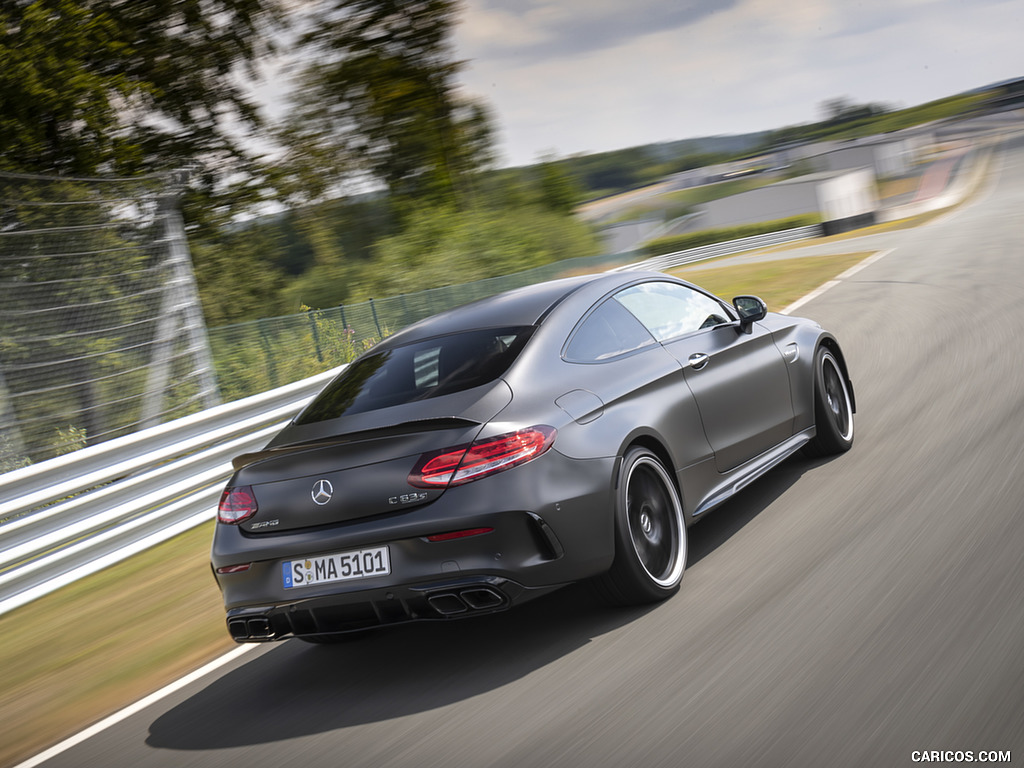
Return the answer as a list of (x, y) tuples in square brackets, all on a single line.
[(844, 199), (891, 154), (888, 156)]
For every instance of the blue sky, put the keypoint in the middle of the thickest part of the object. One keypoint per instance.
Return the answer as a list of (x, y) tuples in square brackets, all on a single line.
[(573, 76)]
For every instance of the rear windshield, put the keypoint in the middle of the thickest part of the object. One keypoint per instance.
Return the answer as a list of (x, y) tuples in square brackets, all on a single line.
[(418, 371)]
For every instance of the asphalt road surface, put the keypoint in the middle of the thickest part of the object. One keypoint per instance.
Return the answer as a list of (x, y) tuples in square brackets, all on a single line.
[(852, 612)]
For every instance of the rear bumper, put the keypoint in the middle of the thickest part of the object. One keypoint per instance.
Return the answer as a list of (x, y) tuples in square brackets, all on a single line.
[(550, 524), (336, 614)]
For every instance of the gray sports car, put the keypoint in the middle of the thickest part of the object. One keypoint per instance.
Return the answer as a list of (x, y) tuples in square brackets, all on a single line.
[(570, 430)]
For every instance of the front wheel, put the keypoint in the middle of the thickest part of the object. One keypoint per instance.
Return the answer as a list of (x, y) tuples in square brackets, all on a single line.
[(650, 534), (833, 407)]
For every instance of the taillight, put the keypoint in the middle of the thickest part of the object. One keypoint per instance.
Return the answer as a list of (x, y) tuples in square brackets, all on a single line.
[(236, 504), (464, 464), (240, 568)]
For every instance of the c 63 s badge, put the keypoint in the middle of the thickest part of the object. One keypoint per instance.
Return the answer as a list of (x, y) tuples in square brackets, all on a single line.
[(407, 498)]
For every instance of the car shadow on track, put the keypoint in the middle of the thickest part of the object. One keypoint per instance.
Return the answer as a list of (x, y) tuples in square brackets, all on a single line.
[(298, 689), (725, 521)]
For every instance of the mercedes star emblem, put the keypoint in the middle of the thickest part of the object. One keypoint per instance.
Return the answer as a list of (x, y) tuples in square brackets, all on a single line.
[(322, 492)]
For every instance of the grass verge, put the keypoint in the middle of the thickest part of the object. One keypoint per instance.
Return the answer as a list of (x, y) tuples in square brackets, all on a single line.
[(75, 656), (779, 282)]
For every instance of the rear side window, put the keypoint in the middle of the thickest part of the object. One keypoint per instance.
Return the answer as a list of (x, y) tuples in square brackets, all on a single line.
[(418, 371), (607, 332)]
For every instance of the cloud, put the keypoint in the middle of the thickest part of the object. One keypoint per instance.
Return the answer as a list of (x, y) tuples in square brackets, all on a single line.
[(741, 66), (534, 30)]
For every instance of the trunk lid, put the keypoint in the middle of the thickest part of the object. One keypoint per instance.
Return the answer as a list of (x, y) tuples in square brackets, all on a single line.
[(357, 467)]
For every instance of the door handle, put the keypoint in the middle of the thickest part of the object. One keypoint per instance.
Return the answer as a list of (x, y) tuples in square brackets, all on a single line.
[(698, 360)]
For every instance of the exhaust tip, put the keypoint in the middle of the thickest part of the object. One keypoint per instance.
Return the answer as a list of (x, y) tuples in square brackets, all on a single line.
[(447, 604), (244, 629), (237, 629), (482, 598), (259, 627)]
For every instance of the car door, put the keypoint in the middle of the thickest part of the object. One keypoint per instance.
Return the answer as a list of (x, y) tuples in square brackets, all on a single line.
[(618, 378), (739, 380)]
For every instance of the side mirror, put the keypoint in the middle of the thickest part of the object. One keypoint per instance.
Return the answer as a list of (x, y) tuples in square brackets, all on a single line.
[(750, 309)]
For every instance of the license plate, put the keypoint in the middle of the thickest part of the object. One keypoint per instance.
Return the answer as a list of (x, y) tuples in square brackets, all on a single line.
[(341, 567)]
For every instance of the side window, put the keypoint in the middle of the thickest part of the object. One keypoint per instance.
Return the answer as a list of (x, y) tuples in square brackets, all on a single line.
[(668, 310), (608, 331)]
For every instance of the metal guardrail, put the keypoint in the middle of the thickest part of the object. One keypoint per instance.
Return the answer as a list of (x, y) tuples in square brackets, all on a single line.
[(74, 515), (679, 258), (71, 516)]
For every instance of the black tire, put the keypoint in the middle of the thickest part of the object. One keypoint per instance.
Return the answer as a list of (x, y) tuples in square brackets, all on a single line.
[(833, 407), (650, 534)]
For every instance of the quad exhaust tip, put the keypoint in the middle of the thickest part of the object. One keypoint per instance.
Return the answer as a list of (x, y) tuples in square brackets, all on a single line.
[(482, 599), (447, 604), (252, 628), (469, 599)]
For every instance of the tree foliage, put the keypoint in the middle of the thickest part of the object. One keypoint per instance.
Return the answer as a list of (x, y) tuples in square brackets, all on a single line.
[(236, 273), (101, 86), (845, 119), (844, 110), (604, 173), (559, 190), (443, 246), (381, 102)]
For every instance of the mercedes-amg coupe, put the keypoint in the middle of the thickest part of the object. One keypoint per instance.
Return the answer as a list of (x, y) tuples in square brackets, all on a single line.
[(567, 431)]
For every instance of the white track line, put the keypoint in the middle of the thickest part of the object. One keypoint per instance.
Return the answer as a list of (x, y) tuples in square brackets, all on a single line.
[(138, 706), (216, 664), (836, 281)]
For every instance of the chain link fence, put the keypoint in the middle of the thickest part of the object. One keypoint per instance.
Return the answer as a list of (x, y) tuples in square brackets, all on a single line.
[(100, 327)]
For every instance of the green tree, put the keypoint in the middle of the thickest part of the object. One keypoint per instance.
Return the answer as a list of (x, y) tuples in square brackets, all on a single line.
[(236, 274), (558, 190), (99, 86), (380, 102), (445, 246), (324, 283)]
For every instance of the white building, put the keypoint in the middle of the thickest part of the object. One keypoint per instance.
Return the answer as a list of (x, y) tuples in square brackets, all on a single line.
[(844, 199)]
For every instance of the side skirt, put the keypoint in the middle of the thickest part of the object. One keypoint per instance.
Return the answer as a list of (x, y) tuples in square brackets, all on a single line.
[(739, 478)]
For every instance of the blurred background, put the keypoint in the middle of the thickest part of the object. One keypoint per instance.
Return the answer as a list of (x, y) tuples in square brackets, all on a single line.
[(206, 199)]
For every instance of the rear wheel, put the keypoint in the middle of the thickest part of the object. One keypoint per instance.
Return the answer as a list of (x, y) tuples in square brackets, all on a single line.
[(833, 407), (650, 535)]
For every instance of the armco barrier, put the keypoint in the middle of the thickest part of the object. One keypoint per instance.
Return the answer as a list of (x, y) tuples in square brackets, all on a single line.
[(691, 255), (70, 516)]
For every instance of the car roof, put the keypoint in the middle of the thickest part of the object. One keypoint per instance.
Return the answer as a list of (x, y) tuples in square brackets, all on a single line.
[(518, 307), (525, 306)]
